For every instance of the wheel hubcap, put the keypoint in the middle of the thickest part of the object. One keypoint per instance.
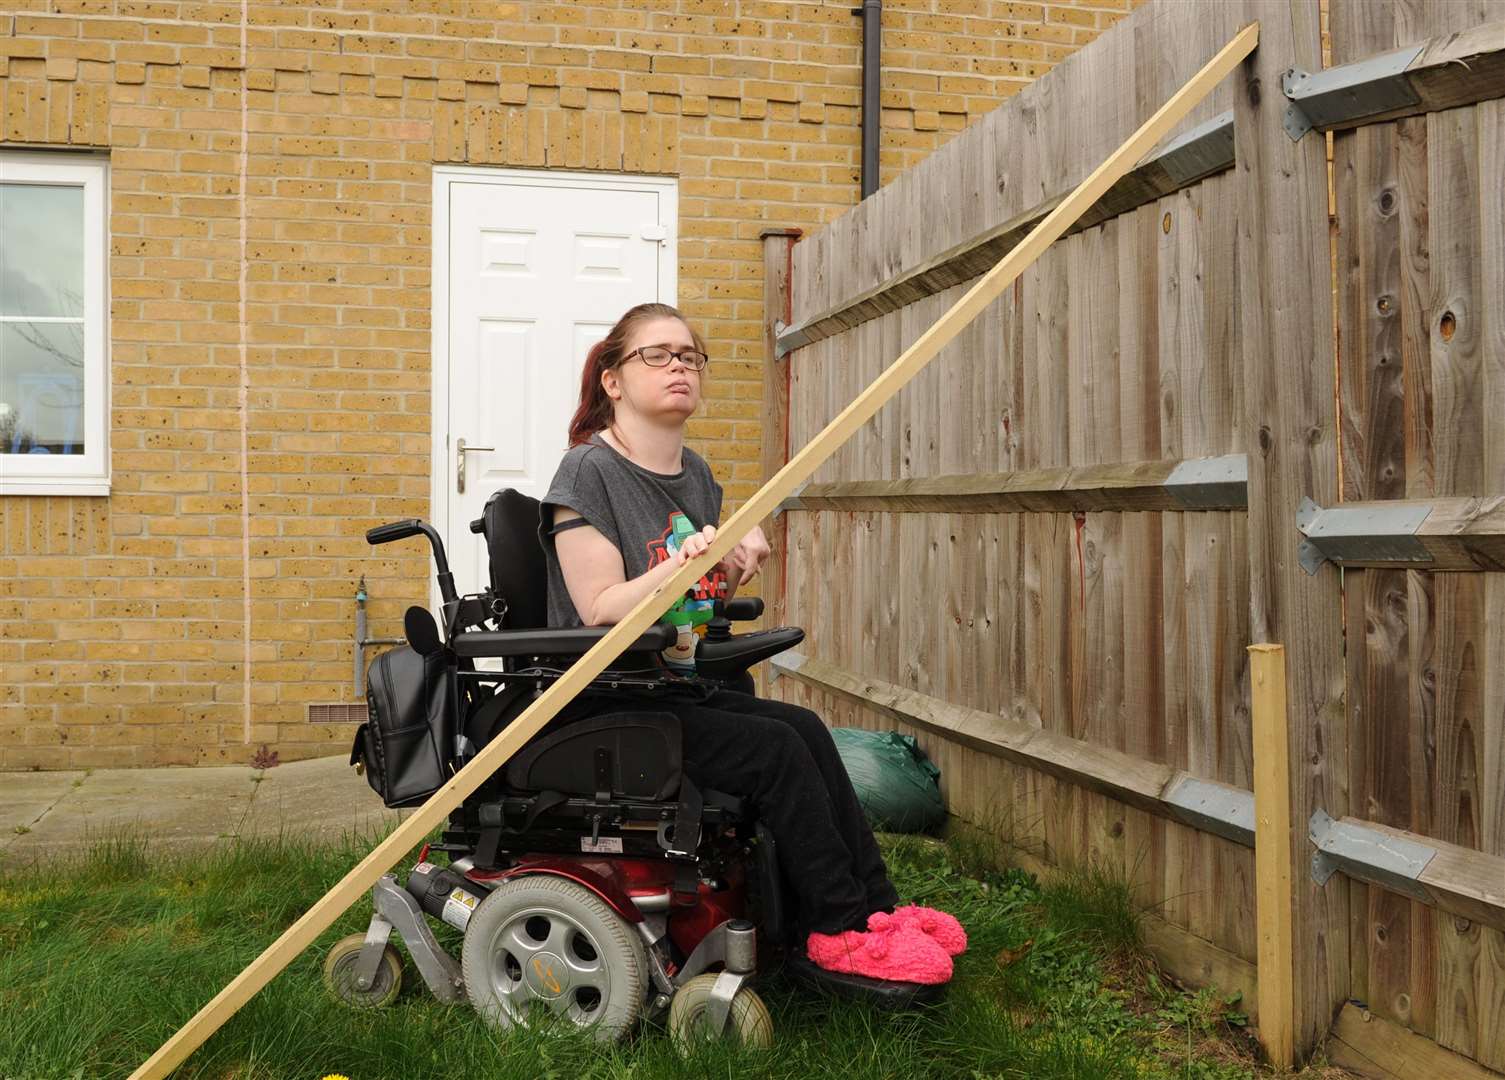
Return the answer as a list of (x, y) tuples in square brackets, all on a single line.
[(548, 959), (546, 975)]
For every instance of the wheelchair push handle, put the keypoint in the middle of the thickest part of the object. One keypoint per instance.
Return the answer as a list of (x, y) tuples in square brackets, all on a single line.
[(401, 530), (394, 530)]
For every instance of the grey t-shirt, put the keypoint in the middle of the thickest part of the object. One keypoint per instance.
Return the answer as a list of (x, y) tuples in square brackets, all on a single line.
[(645, 515)]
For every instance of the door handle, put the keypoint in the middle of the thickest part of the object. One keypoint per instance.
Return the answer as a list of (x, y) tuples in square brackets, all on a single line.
[(460, 449)]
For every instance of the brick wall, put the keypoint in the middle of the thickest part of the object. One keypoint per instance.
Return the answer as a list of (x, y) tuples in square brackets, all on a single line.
[(183, 619)]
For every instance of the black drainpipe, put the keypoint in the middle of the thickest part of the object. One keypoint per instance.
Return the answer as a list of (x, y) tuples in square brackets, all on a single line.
[(872, 71)]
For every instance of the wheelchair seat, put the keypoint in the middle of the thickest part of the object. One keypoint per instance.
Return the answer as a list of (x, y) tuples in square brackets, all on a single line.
[(618, 773), (632, 754)]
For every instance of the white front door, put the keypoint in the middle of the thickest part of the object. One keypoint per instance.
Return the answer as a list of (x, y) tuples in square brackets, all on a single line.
[(537, 268)]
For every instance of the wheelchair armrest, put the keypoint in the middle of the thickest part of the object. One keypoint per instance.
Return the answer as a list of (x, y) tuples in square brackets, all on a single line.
[(730, 658), (553, 642)]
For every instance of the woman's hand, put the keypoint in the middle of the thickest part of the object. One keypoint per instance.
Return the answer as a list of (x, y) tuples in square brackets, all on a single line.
[(693, 545)]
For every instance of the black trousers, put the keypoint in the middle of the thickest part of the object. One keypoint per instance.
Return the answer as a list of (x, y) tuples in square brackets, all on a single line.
[(783, 758)]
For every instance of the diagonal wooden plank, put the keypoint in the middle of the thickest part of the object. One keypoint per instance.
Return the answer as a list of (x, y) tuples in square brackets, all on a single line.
[(302, 933)]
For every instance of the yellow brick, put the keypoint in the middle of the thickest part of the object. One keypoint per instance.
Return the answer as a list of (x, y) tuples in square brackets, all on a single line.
[(1072, 15)]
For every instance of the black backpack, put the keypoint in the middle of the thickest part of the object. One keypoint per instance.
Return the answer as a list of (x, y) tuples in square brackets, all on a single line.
[(407, 746)]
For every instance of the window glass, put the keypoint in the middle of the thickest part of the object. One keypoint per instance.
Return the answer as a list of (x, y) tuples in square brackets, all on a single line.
[(42, 250), (41, 387), (41, 319)]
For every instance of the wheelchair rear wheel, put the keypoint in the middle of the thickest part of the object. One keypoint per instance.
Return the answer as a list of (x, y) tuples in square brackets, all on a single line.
[(547, 946)]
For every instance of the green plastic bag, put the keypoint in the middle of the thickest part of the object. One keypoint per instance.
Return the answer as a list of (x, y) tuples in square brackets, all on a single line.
[(896, 783)]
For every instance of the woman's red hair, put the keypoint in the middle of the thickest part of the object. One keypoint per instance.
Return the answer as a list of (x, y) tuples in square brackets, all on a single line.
[(595, 411)]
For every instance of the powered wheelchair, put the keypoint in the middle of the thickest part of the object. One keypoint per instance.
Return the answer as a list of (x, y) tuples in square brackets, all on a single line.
[(589, 877)]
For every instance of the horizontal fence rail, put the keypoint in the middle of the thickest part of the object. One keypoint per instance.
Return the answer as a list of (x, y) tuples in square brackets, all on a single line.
[(1219, 483), (1159, 789), (1199, 153)]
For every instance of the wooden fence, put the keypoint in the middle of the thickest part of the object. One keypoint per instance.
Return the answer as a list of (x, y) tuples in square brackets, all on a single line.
[(1048, 556)]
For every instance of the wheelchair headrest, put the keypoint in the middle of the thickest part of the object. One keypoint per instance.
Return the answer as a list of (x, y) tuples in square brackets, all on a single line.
[(519, 574)]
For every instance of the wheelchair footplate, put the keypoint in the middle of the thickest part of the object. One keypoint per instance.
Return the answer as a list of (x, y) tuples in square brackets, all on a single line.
[(879, 992)]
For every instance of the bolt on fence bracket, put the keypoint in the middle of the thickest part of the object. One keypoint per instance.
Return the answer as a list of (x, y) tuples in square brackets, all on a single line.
[(1369, 855), (1338, 96), (1361, 534)]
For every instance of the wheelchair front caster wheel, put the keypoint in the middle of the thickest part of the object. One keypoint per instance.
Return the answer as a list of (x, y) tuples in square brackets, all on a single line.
[(339, 975), (748, 1022)]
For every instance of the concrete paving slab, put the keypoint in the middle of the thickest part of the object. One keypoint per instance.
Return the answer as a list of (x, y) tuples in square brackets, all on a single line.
[(26, 797), (186, 807)]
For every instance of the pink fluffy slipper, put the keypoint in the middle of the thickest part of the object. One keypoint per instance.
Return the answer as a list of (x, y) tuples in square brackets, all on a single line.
[(898, 954), (943, 929)]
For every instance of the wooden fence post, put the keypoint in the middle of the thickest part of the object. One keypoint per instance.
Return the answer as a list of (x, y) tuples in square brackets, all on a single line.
[(778, 256), (1291, 437), (1272, 852)]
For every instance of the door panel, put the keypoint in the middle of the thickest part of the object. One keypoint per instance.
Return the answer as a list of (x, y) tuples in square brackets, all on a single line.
[(539, 268)]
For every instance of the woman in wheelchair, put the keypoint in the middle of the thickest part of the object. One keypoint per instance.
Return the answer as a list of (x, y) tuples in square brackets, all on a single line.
[(631, 503)]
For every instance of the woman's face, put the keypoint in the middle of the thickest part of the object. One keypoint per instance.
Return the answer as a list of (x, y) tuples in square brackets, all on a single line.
[(668, 394)]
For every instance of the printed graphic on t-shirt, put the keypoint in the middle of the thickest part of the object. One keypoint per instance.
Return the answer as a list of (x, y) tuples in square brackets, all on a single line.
[(697, 606)]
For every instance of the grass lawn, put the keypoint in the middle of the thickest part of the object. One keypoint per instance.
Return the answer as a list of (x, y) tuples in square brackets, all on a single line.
[(101, 960)]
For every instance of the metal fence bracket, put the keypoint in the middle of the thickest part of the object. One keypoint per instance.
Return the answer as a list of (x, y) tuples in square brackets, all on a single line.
[(788, 338), (791, 501), (1368, 855), (780, 347), (1361, 534), (1211, 483), (785, 663), (1202, 151), (1338, 96), (1216, 808)]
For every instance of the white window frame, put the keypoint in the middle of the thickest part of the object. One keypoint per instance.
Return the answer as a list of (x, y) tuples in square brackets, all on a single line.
[(87, 473)]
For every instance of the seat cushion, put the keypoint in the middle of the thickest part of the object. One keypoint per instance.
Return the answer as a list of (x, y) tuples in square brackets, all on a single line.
[(630, 754)]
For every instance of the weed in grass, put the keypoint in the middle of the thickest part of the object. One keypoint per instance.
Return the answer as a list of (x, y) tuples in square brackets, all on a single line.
[(1097, 902)]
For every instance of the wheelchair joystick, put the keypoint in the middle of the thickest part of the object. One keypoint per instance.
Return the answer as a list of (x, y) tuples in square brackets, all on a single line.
[(720, 627)]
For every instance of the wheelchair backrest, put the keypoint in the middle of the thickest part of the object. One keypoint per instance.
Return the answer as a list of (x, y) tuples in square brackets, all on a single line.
[(519, 574)]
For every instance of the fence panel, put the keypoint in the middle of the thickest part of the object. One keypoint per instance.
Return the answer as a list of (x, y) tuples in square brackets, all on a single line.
[(1124, 629), (1047, 555), (1420, 244)]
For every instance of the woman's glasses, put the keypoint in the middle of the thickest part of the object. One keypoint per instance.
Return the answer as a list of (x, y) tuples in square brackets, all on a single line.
[(660, 355)]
